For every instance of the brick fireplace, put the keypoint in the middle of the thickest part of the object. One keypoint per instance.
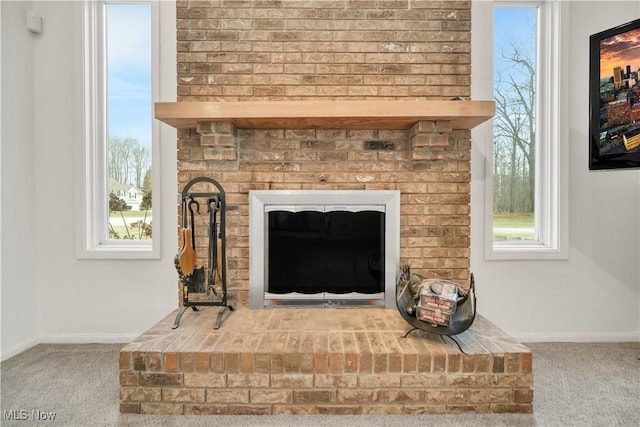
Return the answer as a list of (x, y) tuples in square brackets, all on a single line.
[(428, 164), (342, 95), (343, 50)]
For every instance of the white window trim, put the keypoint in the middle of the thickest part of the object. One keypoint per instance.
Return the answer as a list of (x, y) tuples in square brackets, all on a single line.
[(552, 164), (92, 222)]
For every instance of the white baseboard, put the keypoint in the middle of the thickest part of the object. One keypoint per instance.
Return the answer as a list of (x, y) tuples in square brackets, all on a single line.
[(7, 353), (578, 337), (87, 338), (126, 338)]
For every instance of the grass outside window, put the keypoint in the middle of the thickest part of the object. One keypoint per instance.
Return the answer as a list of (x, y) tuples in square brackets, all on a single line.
[(513, 227)]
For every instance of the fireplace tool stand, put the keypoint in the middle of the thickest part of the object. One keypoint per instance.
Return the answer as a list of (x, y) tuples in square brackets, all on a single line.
[(193, 280)]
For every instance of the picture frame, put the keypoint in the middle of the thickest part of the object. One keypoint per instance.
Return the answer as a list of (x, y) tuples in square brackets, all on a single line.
[(614, 97)]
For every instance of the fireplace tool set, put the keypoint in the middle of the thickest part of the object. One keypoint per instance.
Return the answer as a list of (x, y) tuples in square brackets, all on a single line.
[(195, 283)]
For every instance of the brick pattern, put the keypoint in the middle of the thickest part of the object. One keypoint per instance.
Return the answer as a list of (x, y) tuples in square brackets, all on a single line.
[(428, 163), (331, 49), (342, 49), (263, 364)]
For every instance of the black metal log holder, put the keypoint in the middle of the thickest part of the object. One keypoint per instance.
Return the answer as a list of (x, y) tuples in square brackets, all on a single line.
[(216, 203), (461, 319)]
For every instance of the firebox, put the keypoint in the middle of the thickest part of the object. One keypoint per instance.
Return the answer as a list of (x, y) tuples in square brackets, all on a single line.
[(323, 248)]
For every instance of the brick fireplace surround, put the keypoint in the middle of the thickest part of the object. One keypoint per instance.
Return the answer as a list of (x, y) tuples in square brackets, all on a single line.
[(340, 361)]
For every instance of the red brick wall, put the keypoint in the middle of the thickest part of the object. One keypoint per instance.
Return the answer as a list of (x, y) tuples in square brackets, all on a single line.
[(303, 50)]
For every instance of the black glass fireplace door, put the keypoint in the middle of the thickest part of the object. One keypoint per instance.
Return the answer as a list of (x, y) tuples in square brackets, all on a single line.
[(336, 252)]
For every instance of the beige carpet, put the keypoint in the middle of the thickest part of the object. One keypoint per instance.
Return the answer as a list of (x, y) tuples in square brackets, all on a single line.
[(574, 385)]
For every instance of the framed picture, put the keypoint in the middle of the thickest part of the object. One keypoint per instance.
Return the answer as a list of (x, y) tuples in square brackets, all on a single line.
[(614, 97)]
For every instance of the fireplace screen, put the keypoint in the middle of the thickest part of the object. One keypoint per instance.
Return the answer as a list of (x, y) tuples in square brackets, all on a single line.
[(323, 247), (336, 252)]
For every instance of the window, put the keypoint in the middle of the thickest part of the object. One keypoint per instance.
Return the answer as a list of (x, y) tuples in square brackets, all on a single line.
[(526, 173), (120, 55), (128, 118), (515, 72)]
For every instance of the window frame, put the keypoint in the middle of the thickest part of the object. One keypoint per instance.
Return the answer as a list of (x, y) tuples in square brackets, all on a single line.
[(551, 214), (92, 240)]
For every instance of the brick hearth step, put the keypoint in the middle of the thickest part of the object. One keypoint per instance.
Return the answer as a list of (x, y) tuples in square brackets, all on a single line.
[(320, 361)]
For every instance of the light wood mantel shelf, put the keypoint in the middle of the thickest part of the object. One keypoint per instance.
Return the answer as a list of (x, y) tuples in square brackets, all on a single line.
[(325, 114)]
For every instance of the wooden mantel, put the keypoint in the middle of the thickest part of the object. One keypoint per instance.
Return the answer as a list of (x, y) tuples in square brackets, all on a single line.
[(325, 114)]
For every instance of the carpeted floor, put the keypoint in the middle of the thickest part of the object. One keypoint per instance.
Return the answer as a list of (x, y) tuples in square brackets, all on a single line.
[(575, 384)]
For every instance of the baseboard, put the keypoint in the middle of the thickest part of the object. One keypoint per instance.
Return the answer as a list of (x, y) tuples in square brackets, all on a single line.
[(87, 338), (7, 353), (578, 337), (125, 338), (66, 339)]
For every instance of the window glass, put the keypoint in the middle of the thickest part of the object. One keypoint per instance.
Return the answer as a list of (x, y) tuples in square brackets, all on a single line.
[(129, 120), (515, 124)]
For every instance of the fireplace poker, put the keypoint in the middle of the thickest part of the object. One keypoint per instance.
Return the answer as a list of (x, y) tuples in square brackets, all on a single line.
[(213, 206)]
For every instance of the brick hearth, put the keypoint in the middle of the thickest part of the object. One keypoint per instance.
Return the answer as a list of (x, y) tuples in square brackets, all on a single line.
[(320, 361), (336, 361)]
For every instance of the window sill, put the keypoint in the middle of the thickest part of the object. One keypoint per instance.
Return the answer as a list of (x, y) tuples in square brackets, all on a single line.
[(120, 250), (530, 251)]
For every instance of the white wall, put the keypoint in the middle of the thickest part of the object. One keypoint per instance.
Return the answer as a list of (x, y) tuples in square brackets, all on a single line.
[(88, 299), (19, 262), (50, 296), (595, 294), (47, 294)]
